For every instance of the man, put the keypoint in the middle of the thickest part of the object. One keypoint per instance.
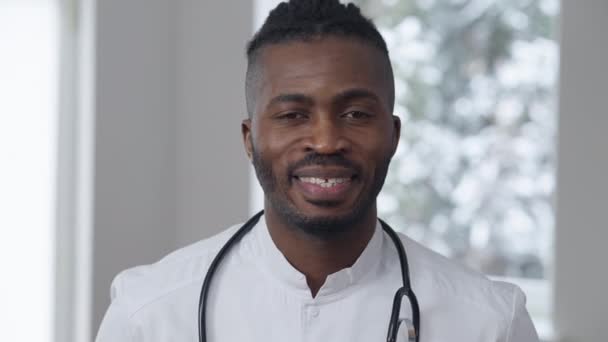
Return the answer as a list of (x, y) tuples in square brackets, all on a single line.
[(317, 266)]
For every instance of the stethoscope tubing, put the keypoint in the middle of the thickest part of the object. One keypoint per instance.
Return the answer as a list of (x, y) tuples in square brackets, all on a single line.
[(202, 303), (406, 290), (394, 323)]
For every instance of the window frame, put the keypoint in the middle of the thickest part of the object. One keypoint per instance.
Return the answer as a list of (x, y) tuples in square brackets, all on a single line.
[(73, 226)]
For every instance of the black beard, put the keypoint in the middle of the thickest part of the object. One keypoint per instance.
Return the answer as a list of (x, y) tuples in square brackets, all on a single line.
[(324, 227)]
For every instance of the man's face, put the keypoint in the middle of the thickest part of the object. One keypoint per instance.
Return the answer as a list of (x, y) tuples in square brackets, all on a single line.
[(322, 134)]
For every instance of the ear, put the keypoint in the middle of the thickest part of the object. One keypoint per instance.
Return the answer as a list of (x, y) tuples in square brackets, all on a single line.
[(396, 133), (246, 132)]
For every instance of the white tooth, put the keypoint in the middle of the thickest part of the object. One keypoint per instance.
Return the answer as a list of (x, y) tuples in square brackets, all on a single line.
[(325, 182)]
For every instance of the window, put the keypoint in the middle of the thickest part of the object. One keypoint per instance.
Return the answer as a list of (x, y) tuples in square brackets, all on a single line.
[(28, 140)]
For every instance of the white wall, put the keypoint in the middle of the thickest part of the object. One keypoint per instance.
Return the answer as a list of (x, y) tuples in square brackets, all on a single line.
[(212, 168), (581, 282), (134, 215), (169, 163)]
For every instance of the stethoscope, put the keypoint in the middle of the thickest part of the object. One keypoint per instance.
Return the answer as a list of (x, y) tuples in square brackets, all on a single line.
[(413, 328)]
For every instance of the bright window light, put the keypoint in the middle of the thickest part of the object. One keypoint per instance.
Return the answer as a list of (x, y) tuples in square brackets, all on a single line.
[(28, 128)]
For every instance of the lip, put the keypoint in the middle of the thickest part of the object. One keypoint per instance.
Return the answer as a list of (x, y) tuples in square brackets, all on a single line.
[(320, 195), (317, 193)]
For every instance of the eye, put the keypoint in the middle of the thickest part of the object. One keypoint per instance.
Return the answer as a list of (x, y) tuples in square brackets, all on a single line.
[(356, 115), (292, 116)]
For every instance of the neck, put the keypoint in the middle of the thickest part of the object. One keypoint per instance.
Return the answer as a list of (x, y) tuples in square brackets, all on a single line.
[(317, 257)]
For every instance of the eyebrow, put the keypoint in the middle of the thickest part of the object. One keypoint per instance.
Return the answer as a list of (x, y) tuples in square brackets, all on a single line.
[(355, 94), (342, 97), (298, 98)]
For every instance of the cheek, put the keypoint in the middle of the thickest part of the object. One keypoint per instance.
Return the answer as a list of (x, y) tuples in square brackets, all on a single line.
[(375, 149), (274, 154)]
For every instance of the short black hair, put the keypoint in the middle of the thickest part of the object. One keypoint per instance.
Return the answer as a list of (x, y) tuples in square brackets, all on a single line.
[(305, 20)]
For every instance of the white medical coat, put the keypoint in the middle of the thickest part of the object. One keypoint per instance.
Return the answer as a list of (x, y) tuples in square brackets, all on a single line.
[(258, 296)]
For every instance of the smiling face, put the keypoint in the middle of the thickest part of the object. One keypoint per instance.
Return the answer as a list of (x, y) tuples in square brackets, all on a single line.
[(322, 133)]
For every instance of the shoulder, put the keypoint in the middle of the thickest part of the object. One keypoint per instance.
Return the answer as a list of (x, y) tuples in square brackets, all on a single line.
[(134, 288), (448, 281)]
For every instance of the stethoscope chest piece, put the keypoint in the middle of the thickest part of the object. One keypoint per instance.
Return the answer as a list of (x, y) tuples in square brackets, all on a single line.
[(406, 331)]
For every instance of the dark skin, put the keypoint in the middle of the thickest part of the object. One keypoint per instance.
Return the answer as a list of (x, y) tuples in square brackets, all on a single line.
[(329, 96)]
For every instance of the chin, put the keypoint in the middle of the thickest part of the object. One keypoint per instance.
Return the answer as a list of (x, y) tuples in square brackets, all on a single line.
[(324, 223)]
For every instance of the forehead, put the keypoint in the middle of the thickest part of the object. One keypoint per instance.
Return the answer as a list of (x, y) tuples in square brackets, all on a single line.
[(322, 66)]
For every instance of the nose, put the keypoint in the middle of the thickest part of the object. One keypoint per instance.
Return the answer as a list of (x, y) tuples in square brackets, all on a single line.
[(327, 137)]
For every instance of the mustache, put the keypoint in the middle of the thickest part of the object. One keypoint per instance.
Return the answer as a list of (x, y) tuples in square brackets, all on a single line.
[(316, 159)]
